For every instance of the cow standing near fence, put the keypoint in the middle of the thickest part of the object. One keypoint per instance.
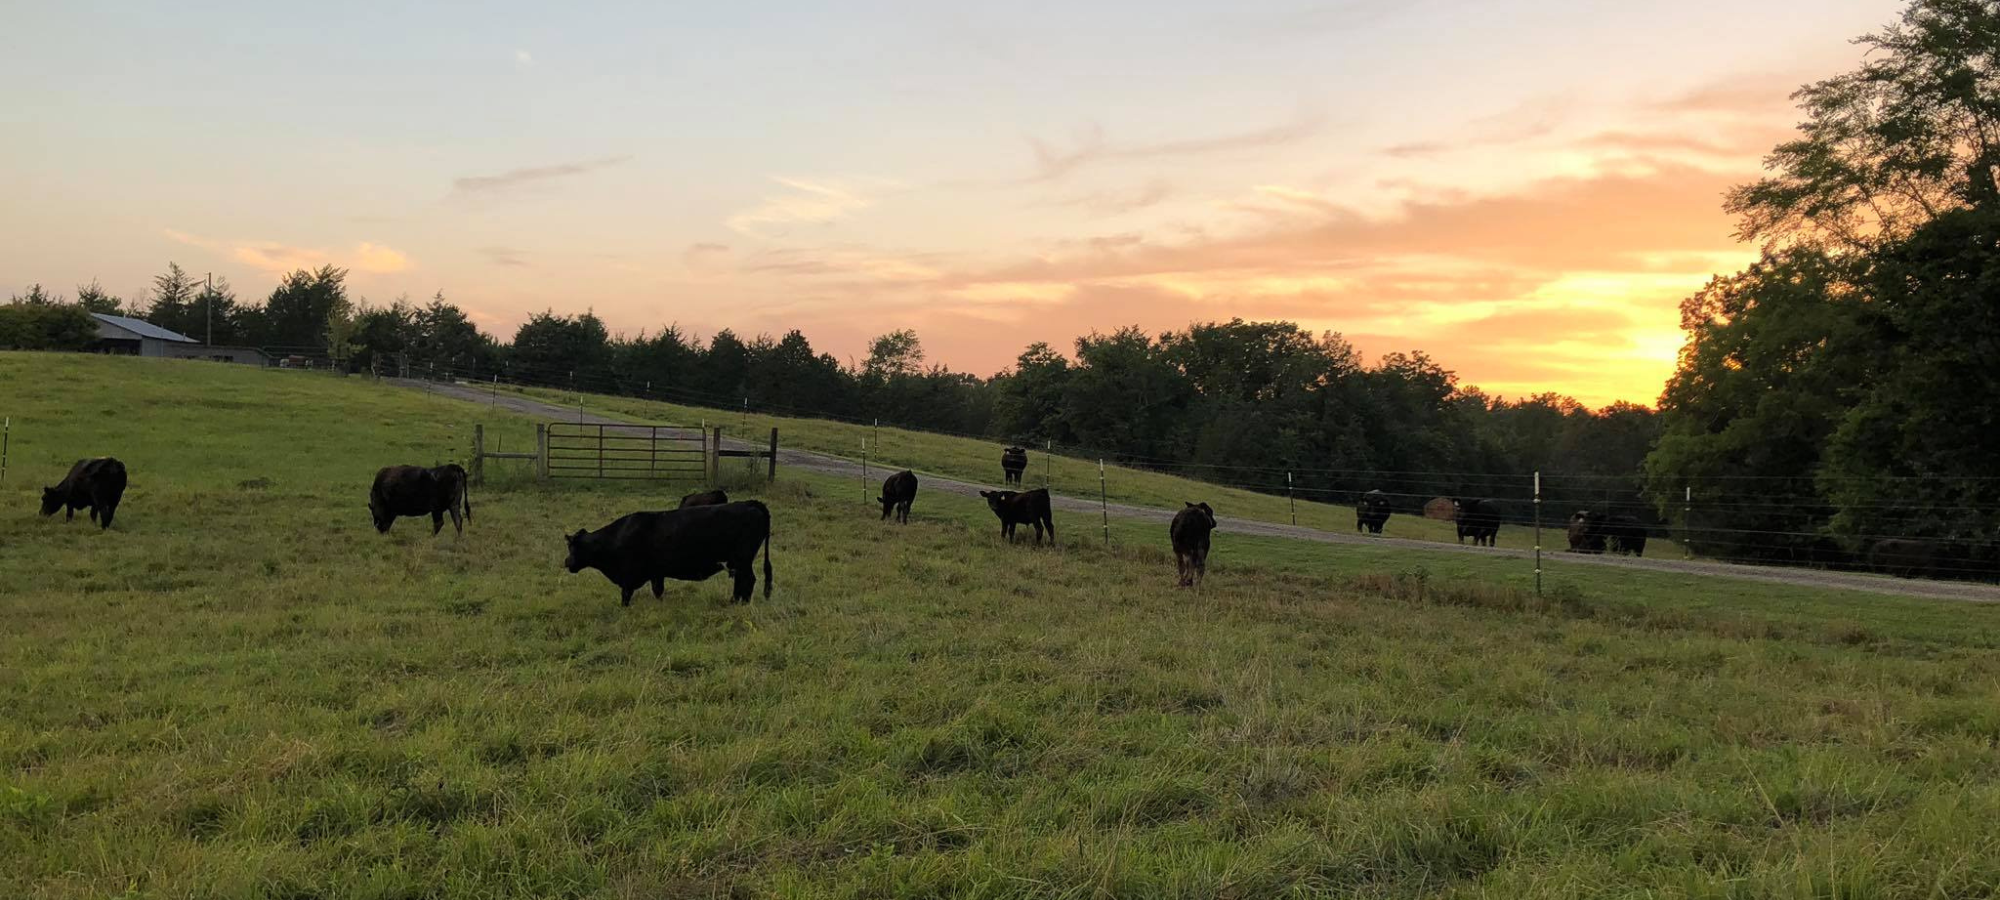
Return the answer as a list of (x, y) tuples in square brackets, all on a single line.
[(416, 491), (1371, 512), (898, 492), (1478, 520), (1013, 461), (1189, 533), (94, 484), (1016, 508)]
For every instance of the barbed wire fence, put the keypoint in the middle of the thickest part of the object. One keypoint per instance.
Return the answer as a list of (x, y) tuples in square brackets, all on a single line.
[(1792, 530)]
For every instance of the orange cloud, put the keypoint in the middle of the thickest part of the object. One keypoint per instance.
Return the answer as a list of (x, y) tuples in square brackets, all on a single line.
[(279, 259)]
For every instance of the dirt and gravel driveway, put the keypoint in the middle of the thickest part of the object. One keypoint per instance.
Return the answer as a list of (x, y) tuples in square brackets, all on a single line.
[(846, 468)]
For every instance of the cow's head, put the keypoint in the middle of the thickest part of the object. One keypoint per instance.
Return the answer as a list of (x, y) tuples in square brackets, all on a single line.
[(380, 515), (1201, 509), (997, 500), (52, 500), (574, 560)]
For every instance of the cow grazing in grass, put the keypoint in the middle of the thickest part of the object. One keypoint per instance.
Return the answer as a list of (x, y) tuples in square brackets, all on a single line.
[(1586, 532), (1905, 557), (1016, 507), (1627, 535), (1371, 512), (93, 484), (1013, 461), (416, 491), (1478, 520), (705, 498), (898, 492), (683, 544), (1189, 533)]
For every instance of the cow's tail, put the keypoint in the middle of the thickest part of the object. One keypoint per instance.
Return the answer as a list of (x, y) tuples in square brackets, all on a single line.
[(465, 497), (767, 558)]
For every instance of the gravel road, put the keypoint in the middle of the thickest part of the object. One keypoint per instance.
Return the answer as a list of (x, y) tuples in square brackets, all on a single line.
[(846, 468)]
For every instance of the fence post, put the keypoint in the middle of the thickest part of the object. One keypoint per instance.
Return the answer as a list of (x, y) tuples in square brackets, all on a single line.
[(878, 435), (774, 453), (1048, 462), (1687, 522), (494, 403), (541, 450), (864, 470), (479, 454), (6, 437), (715, 459), (1103, 505), (1538, 532), (1294, 501)]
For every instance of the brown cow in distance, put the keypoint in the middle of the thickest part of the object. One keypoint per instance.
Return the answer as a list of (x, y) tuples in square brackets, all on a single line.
[(705, 498), (1015, 508), (1189, 532)]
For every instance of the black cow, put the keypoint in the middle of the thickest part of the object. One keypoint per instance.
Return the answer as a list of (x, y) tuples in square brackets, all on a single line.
[(1627, 534), (705, 498), (1013, 461), (94, 484), (1478, 520), (1189, 532), (1586, 532), (416, 491), (1371, 512), (898, 492), (1014, 508), (683, 544), (1905, 558)]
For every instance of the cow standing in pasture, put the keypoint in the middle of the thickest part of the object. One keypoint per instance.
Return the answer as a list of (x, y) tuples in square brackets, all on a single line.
[(1015, 508), (1627, 535), (416, 491), (1586, 534), (705, 498), (93, 484), (1371, 512), (1013, 461), (1478, 520), (689, 544), (898, 492), (1189, 532)]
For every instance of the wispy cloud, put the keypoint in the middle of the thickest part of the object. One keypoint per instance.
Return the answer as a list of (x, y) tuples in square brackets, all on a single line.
[(1117, 202), (512, 178), (808, 202), (524, 59), (504, 256), (704, 256), (1090, 147), (277, 258)]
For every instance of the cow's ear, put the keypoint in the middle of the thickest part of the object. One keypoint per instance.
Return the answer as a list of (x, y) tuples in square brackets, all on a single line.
[(1187, 504)]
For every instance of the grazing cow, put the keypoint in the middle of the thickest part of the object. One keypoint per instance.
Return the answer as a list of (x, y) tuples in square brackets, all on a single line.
[(683, 544), (1189, 533), (898, 492), (1586, 532), (1371, 512), (1478, 520), (416, 491), (705, 498), (1014, 508), (1628, 535), (1013, 461), (1904, 558), (96, 484)]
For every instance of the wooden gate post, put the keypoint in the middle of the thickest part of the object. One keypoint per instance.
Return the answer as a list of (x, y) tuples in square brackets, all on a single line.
[(541, 449), (479, 454), (715, 458), (774, 454)]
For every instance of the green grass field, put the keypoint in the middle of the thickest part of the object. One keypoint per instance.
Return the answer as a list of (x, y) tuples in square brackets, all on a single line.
[(967, 459), (243, 691)]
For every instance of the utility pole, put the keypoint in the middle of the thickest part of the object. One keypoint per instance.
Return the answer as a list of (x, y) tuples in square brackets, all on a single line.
[(208, 279)]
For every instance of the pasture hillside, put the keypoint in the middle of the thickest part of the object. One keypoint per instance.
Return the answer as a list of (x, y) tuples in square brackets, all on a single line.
[(243, 691)]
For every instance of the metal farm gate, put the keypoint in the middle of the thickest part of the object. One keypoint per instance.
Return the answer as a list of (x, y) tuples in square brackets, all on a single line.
[(577, 450)]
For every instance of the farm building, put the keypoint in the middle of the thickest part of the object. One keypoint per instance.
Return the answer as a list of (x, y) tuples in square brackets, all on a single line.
[(138, 337)]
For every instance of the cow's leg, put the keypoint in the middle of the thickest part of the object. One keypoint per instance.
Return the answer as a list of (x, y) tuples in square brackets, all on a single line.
[(104, 515), (437, 521), (69, 512), (625, 594), (1038, 532), (1200, 566), (659, 588), (746, 579), (456, 524)]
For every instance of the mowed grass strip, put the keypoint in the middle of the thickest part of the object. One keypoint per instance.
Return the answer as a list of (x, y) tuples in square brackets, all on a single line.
[(243, 691)]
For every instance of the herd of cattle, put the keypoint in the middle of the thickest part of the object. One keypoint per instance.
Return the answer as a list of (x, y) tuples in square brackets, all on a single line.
[(708, 533)]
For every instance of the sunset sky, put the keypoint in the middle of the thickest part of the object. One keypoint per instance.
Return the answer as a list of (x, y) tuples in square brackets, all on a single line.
[(1524, 189)]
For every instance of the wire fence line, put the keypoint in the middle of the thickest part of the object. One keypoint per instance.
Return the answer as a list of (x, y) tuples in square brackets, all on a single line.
[(1783, 521)]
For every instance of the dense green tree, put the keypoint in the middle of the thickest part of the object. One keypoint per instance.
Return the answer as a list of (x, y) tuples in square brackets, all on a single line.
[(92, 298), (296, 316)]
